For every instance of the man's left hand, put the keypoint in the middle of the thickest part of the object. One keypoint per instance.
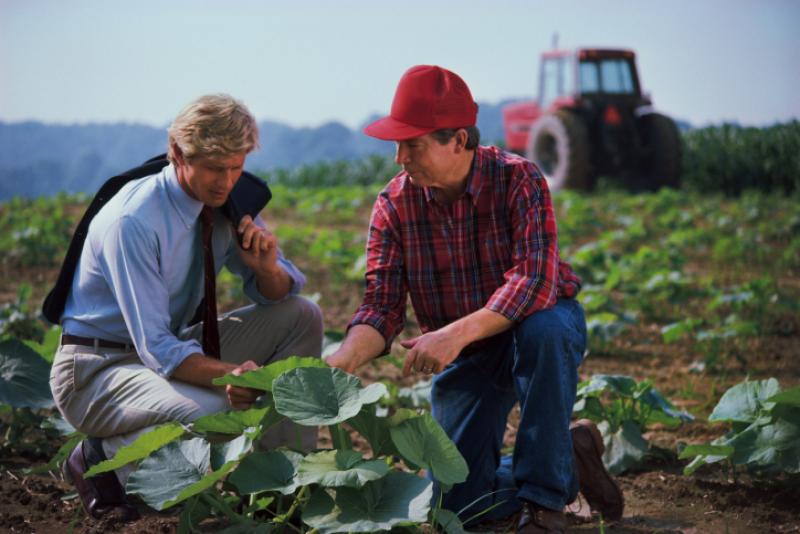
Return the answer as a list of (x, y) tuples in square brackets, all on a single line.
[(430, 353), (242, 398), (259, 249)]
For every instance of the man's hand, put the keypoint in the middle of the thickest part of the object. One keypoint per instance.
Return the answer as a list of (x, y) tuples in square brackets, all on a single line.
[(431, 352), (242, 398), (344, 360), (259, 249), (362, 344)]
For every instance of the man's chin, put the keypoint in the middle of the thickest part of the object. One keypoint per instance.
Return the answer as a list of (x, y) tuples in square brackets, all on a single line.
[(215, 201)]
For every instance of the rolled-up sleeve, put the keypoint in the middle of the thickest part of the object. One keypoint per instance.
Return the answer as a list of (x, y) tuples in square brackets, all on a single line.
[(383, 307), (531, 283), (249, 283), (129, 264)]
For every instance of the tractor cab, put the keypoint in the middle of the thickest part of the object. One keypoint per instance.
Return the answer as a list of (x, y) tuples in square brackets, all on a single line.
[(591, 97)]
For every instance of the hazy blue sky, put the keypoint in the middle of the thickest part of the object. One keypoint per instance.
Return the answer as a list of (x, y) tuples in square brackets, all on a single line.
[(309, 62)]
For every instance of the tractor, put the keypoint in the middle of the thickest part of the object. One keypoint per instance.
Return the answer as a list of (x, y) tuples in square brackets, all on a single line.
[(591, 119)]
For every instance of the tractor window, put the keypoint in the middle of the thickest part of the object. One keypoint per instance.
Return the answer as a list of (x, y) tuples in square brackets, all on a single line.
[(550, 80), (590, 77), (611, 75), (616, 75)]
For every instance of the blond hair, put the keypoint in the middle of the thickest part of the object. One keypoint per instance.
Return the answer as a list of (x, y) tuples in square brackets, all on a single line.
[(212, 125)]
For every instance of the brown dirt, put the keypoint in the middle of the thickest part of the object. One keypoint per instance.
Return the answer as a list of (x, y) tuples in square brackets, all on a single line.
[(658, 499)]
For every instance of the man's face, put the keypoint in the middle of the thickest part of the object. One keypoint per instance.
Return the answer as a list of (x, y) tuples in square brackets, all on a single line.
[(427, 162), (209, 179)]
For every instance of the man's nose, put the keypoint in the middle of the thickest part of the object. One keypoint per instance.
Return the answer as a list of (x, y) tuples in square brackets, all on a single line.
[(231, 175), (400, 154)]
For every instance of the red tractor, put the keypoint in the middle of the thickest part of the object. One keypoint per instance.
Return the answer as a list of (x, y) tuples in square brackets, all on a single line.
[(591, 119)]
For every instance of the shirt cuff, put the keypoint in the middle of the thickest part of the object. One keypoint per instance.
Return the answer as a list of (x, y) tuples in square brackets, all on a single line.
[(296, 283), (515, 300), (180, 352), (385, 327)]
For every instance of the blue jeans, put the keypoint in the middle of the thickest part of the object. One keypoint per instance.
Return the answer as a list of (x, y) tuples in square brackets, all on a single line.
[(535, 363)]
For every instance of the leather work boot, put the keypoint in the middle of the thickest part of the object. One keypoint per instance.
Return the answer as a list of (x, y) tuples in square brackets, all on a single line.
[(101, 494), (535, 519), (601, 491)]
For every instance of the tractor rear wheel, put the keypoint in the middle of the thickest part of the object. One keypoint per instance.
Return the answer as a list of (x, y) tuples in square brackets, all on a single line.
[(660, 162), (559, 145)]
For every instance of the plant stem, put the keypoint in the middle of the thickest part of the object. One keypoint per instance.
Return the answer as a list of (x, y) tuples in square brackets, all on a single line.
[(217, 502), (300, 497), (340, 438), (251, 505)]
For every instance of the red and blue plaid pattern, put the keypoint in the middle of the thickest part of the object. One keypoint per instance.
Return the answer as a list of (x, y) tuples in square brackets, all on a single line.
[(494, 247)]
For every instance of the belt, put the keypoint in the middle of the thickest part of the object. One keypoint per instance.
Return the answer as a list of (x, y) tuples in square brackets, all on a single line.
[(68, 339)]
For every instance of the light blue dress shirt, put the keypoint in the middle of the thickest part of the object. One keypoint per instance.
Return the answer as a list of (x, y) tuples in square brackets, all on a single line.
[(140, 275)]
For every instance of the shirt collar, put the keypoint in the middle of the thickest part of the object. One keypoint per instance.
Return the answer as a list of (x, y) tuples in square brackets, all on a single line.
[(188, 208)]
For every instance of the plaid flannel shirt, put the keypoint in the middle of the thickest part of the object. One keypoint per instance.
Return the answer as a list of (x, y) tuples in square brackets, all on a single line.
[(494, 247)]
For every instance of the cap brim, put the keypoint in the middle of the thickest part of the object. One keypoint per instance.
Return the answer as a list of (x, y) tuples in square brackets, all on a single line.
[(390, 129)]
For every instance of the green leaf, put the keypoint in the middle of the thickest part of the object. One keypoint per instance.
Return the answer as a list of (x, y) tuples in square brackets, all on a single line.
[(723, 451), (422, 442), (193, 512), (207, 481), (49, 345), (250, 527), (376, 429), (675, 331), (588, 407), (449, 521), (60, 425), (24, 376), (233, 450), (169, 471), (339, 468), (142, 447), (789, 397), (771, 448), (267, 471), (623, 386), (231, 421), (663, 411), (314, 396), (744, 402), (263, 377), (625, 448), (379, 505)]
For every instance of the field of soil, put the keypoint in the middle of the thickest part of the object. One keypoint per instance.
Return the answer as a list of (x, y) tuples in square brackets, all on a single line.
[(659, 498)]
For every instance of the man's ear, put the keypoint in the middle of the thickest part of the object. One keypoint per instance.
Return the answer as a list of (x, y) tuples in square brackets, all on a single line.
[(177, 154), (461, 138)]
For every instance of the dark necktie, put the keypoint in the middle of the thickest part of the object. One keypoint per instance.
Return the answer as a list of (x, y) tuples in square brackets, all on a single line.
[(210, 330)]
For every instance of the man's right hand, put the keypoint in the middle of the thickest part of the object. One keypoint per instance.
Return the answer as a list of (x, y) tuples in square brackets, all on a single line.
[(242, 398), (362, 344), (343, 360)]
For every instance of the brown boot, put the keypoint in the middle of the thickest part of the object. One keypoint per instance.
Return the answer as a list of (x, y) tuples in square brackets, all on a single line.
[(596, 484), (535, 519), (102, 494)]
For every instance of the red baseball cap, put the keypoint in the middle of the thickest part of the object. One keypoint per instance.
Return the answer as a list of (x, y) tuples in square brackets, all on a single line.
[(428, 98)]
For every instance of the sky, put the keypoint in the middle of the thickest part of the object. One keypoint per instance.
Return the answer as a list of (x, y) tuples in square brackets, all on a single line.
[(308, 62)]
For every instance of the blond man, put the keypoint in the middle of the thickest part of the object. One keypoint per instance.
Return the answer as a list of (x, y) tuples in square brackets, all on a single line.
[(128, 359)]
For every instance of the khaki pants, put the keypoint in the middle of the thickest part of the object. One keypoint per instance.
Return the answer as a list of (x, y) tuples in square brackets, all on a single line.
[(109, 394)]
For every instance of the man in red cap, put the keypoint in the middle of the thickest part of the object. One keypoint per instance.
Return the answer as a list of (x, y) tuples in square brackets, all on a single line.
[(469, 233)]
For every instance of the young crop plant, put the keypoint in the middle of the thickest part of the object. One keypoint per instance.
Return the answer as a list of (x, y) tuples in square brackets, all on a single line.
[(623, 409), (765, 430), (214, 467)]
